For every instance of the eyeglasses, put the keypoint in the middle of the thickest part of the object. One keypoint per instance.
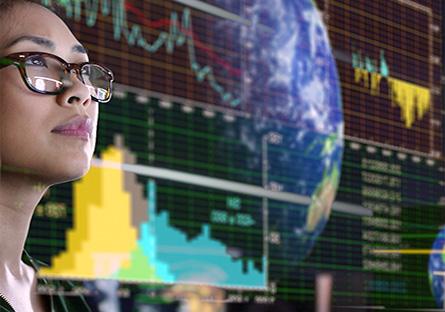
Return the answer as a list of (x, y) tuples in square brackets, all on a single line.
[(46, 73)]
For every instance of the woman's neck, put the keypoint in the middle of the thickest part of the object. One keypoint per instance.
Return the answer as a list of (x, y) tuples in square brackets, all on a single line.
[(19, 195)]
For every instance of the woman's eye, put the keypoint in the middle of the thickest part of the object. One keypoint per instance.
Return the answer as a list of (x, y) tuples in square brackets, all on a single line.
[(36, 61), (85, 71)]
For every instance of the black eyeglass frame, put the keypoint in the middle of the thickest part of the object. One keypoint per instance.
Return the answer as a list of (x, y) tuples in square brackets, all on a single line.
[(18, 59)]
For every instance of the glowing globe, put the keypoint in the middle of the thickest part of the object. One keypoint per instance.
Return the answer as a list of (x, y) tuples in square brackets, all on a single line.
[(290, 81)]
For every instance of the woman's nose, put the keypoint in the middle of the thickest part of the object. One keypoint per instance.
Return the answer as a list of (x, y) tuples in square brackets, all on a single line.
[(76, 92)]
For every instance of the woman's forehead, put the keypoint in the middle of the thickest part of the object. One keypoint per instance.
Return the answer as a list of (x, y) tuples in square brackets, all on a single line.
[(40, 21), (35, 26)]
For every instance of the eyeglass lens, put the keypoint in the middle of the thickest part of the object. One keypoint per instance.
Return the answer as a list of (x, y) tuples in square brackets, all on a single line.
[(47, 74), (44, 73), (97, 80)]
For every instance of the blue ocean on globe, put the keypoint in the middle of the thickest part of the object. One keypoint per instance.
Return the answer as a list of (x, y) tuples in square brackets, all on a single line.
[(437, 265), (290, 85)]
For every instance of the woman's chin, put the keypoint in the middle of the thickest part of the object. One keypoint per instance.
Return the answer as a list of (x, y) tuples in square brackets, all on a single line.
[(68, 174)]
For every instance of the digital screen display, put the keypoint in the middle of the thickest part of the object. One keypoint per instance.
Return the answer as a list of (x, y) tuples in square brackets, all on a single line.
[(254, 148)]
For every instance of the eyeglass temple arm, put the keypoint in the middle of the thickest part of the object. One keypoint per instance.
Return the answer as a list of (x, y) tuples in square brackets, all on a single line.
[(6, 62)]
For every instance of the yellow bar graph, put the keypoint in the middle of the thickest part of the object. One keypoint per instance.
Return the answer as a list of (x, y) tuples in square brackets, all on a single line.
[(413, 100), (101, 208)]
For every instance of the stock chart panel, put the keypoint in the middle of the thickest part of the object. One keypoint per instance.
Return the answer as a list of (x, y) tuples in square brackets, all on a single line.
[(389, 56), (218, 158), (220, 155)]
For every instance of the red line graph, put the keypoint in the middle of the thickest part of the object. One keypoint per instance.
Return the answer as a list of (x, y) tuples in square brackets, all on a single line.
[(165, 22)]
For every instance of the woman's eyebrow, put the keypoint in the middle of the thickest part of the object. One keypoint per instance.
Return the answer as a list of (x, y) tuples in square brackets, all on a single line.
[(44, 42), (79, 49), (35, 39)]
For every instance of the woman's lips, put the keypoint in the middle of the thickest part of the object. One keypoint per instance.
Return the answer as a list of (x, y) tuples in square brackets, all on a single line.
[(80, 126), (83, 134)]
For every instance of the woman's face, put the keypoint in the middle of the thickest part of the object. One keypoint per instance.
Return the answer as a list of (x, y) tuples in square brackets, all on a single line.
[(28, 139)]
